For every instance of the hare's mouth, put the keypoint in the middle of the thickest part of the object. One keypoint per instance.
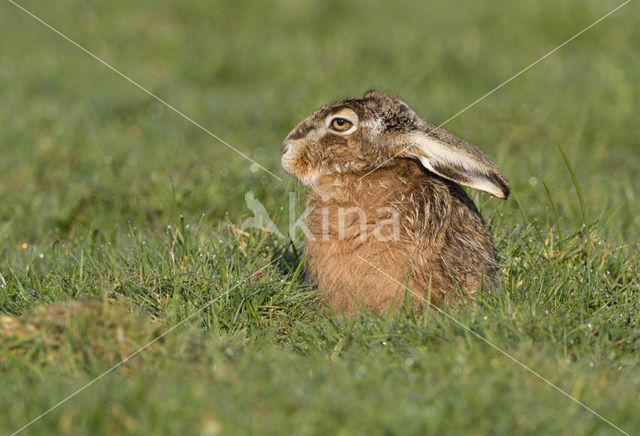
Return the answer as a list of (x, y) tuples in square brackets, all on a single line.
[(289, 157), (286, 161), (306, 176), (293, 162)]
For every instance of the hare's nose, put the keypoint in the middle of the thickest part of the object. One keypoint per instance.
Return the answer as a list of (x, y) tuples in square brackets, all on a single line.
[(285, 147)]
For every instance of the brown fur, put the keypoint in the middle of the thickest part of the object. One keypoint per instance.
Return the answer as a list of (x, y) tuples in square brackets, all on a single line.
[(442, 250)]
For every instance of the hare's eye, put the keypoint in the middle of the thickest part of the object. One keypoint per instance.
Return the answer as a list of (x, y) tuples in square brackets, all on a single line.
[(340, 124)]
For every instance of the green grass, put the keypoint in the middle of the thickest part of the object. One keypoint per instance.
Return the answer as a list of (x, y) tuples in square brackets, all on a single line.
[(118, 220)]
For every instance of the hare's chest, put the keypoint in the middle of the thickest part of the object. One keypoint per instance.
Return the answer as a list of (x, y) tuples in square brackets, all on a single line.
[(340, 245), (339, 236), (346, 224)]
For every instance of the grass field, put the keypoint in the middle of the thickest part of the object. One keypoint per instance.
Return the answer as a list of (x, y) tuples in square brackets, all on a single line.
[(119, 219)]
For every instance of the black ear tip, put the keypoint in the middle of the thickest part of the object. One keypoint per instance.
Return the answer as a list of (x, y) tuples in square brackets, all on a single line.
[(502, 184), (506, 191)]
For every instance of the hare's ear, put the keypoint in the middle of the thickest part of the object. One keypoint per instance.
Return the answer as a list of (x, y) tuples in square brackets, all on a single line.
[(457, 160)]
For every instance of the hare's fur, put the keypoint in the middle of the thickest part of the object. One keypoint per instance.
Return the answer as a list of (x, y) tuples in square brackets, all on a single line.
[(390, 165)]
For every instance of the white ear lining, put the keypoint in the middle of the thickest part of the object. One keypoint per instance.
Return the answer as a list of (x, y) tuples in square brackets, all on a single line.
[(434, 149), (455, 164), (476, 183)]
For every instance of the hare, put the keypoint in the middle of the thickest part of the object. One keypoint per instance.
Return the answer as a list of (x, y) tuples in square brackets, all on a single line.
[(386, 212)]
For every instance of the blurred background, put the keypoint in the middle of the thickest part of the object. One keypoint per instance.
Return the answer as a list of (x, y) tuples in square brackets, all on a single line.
[(82, 147), (119, 217)]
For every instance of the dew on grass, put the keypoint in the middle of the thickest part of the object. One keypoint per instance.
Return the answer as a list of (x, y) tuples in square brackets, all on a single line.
[(408, 361), (254, 168), (41, 256), (456, 370)]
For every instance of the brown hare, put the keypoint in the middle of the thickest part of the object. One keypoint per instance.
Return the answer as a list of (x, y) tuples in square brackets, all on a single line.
[(385, 208)]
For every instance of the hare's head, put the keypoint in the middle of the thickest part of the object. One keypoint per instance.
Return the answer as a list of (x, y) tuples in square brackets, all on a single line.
[(362, 134)]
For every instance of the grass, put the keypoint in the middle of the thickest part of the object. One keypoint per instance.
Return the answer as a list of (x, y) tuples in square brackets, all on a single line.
[(119, 220)]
